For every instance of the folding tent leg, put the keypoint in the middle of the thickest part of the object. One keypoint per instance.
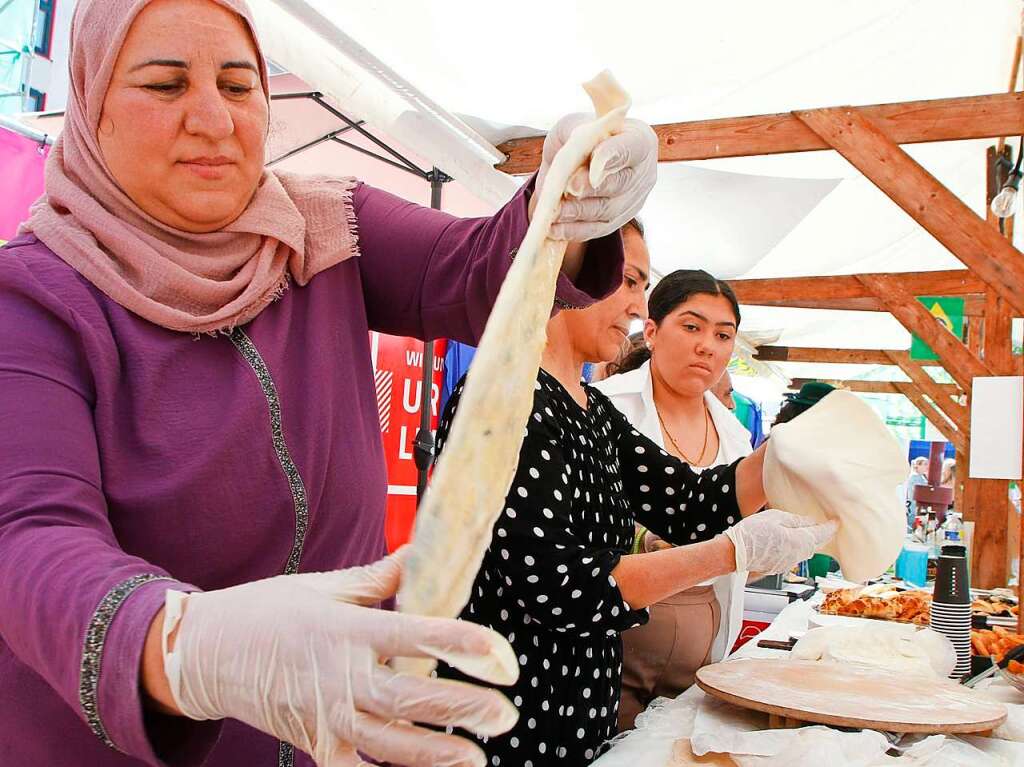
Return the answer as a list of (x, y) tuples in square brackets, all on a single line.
[(423, 447)]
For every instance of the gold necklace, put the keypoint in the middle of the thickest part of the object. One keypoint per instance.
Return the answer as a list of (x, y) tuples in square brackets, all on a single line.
[(707, 430)]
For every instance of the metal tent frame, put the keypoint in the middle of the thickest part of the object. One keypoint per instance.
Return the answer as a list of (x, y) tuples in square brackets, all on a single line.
[(423, 444)]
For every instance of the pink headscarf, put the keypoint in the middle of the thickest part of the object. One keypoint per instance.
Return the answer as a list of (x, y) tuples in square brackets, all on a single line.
[(294, 226)]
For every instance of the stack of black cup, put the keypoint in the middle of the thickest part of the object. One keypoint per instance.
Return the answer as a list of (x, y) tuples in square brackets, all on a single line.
[(951, 605)]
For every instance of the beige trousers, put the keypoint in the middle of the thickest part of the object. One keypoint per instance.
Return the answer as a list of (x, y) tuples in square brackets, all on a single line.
[(661, 657)]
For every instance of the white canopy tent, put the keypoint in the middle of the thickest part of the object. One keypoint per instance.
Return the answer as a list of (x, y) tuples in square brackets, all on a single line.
[(447, 81), (512, 74)]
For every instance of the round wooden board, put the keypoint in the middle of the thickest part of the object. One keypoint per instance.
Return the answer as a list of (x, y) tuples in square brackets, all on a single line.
[(850, 696)]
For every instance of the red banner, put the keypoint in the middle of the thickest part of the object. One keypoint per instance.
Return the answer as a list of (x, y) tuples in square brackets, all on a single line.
[(398, 371), (21, 179)]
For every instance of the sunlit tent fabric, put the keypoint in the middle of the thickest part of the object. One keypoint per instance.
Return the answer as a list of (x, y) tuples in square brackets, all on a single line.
[(448, 81), (689, 61)]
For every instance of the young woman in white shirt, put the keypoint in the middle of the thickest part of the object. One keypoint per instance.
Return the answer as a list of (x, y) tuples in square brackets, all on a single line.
[(664, 389)]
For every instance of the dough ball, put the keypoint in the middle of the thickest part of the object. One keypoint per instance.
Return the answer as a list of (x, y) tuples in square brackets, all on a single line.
[(898, 647)]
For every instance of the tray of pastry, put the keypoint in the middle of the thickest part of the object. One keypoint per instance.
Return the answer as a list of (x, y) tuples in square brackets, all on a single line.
[(880, 602), (995, 603), (883, 601)]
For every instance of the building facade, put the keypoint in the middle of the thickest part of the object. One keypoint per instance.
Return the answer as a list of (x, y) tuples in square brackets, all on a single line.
[(34, 37)]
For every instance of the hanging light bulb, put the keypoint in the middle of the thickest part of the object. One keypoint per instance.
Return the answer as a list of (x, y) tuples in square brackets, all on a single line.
[(1004, 203)]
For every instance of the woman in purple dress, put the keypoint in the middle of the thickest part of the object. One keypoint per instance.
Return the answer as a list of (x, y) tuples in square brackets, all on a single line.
[(188, 409)]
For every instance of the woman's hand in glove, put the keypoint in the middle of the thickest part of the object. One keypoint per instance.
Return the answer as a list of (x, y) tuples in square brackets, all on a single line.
[(301, 657), (772, 541), (628, 165)]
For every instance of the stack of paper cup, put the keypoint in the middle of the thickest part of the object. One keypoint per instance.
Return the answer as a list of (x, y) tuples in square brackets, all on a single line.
[(951, 605)]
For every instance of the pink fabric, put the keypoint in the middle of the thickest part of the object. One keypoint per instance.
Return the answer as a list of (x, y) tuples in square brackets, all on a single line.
[(294, 227), (21, 180)]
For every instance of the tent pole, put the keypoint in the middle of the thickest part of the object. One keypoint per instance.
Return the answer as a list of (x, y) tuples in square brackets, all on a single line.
[(9, 123), (423, 447)]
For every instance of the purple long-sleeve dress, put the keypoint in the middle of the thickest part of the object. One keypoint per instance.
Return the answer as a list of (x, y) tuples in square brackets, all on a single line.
[(136, 459)]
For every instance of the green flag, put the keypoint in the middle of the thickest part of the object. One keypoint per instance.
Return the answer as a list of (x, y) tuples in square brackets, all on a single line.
[(948, 312)]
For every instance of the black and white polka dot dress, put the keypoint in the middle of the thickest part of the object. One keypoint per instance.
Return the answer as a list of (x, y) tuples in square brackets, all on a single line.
[(584, 477)]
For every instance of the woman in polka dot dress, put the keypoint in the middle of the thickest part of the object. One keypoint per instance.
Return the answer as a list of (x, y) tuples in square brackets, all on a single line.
[(557, 580)]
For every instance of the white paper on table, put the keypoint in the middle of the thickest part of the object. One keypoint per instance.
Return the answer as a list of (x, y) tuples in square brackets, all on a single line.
[(1010, 753), (942, 751), (999, 689), (722, 728), (668, 720), (657, 729)]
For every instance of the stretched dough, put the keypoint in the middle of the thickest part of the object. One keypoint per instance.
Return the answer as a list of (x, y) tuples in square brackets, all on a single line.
[(839, 461), (891, 646), (469, 485)]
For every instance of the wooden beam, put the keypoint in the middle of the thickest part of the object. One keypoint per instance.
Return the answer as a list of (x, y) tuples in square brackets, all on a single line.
[(985, 501), (956, 358), (863, 387), (975, 334), (1014, 71), (934, 416), (828, 356), (971, 489), (944, 215), (870, 387), (1015, 522), (941, 394), (908, 390), (910, 122), (958, 414), (847, 292), (992, 538), (998, 336), (989, 560)]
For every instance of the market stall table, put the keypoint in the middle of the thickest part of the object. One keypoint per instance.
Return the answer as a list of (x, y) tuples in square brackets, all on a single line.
[(654, 742)]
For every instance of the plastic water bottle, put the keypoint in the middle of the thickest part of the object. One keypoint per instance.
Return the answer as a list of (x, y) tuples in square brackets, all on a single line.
[(953, 530)]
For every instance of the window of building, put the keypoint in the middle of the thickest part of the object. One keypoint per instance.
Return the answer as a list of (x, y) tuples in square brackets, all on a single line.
[(36, 100), (44, 27)]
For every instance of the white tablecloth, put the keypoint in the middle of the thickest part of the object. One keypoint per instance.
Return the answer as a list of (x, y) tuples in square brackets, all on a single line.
[(667, 720)]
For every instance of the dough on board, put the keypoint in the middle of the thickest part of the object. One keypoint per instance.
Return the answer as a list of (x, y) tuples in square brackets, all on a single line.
[(898, 647)]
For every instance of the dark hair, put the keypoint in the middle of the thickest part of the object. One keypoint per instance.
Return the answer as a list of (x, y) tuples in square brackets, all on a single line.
[(810, 394), (789, 411), (672, 291), (633, 345)]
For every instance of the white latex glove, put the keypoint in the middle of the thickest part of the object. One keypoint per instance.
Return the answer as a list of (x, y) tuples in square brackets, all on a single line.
[(772, 541), (624, 167), (300, 657)]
